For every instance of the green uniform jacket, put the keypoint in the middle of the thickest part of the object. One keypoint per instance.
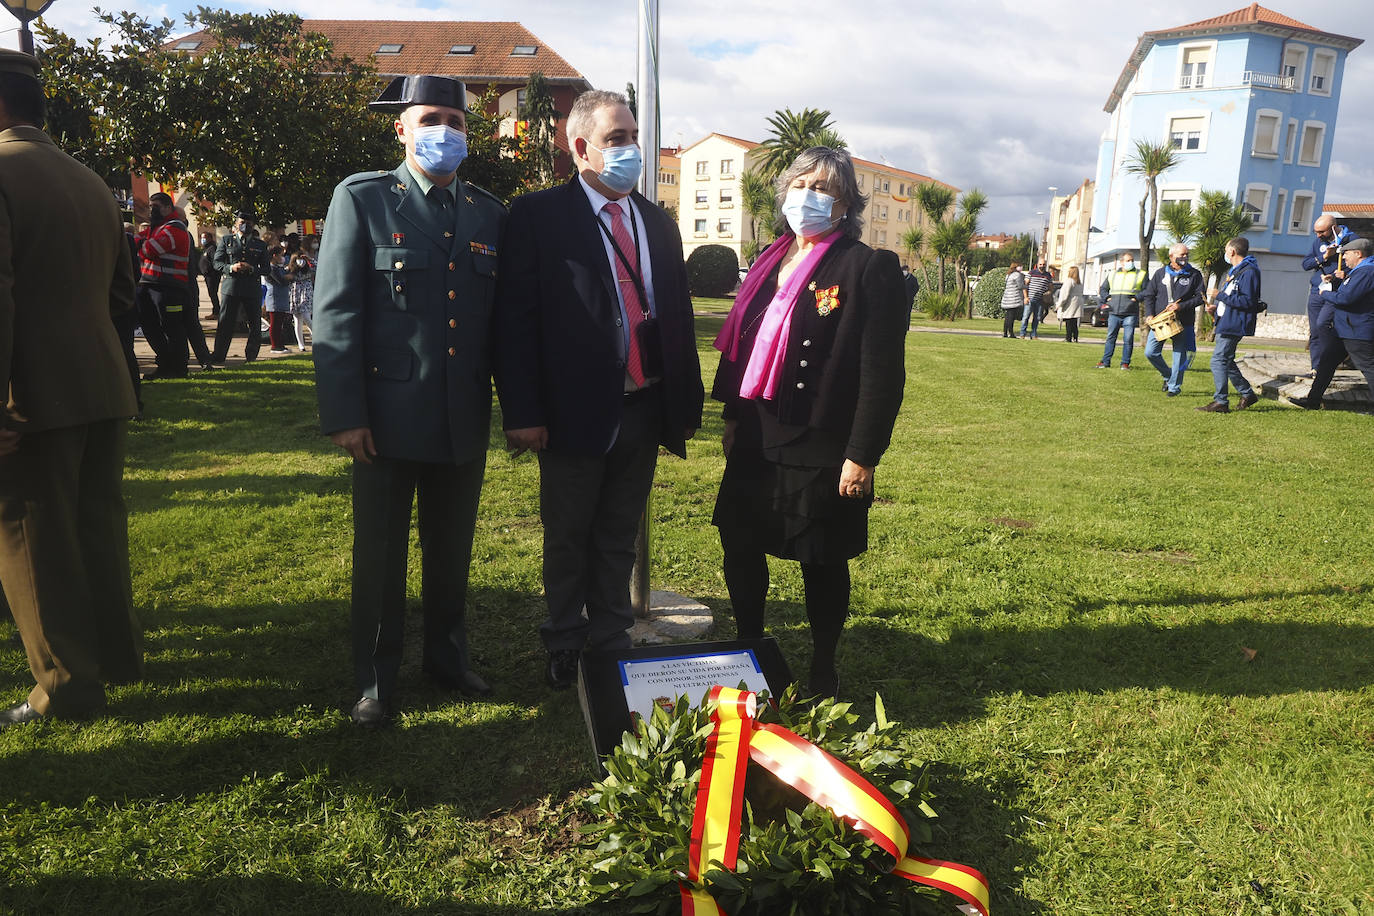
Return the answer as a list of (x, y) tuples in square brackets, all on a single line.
[(65, 269), (232, 249), (402, 308)]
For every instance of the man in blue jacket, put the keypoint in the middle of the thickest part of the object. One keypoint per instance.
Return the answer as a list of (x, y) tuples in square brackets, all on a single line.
[(1352, 305), (1178, 288), (1236, 308), (1325, 264)]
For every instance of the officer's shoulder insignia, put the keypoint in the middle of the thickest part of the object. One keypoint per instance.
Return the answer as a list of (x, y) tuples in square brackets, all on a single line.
[(483, 192), (365, 176)]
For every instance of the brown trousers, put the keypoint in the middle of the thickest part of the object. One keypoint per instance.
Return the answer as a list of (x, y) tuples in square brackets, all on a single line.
[(64, 564)]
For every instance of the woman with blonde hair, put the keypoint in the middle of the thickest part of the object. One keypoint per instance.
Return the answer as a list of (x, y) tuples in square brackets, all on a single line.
[(1069, 305)]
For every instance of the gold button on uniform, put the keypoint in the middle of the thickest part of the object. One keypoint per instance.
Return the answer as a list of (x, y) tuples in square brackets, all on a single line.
[(452, 351), (453, 322), (451, 265), (400, 264), (452, 294), (398, 287)]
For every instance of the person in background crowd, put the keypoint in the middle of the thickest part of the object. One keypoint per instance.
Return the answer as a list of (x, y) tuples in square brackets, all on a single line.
[(208, 271), (1121, 290), (1013, 299), (1352, 303), (195, 334), (1324, 262), (163, 286), (1178, 288), (1237, 307), (811, 375), (301, 272), (126, 325), (1038, 285), (278, 301), (913, 286), (1069, 306), (241, 260), (65, 269)]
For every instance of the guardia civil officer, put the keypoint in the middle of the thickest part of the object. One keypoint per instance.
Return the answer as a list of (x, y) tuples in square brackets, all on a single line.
[(403, 294), (241, 260)]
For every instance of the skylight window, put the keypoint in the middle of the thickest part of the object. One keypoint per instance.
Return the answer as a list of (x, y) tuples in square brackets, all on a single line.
[(463, 49), (187, 45), (523, 51), (389, 49)]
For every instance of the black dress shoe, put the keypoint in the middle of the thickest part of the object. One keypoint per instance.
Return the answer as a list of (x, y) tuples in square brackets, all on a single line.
[(18, 715), (370, 713), (465, 682), (561, 671), (1248, 400), (1306, 403), (823, 683)]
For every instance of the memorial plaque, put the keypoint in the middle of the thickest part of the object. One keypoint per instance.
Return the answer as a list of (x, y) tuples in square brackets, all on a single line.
[(616, 687)]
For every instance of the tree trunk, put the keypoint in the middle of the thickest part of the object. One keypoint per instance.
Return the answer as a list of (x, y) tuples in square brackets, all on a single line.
[(1147, 237), (942, 275)]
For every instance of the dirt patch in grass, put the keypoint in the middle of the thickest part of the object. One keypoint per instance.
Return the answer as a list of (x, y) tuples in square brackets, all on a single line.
[(1012, 522)]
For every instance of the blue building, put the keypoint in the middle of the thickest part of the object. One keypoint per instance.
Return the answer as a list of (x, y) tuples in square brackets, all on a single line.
[(1249, 100)]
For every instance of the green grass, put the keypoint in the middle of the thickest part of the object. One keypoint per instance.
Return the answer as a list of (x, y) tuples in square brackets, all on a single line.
[(1065, 569)]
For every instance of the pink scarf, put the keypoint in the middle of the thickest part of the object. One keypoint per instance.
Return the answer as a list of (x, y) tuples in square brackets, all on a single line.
[(766, 360)]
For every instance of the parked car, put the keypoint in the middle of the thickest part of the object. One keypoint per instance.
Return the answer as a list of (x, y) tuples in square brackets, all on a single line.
[(1094, 312)]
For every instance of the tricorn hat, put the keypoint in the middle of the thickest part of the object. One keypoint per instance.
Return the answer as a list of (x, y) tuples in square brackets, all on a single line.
[(18, 62), (405, 91)]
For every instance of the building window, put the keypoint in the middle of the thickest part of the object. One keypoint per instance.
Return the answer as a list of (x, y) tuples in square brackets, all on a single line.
[(1300, 220), (1256, 204), (723, 228), (702, 201), (699, 229), (389, 49), (885, 187), (1313, 136), (884, 211), (727, 168), (667, 178), (882, 237), (1290, 140), (703, 169), (1323, 73), (1183, 196), (1195, 63), (520, 103), (1280, 199), (186, 45), (523, 51), (1266, 137), (1294, 65), (727, 197), (1186, 133), (861, 182), (463, 49)]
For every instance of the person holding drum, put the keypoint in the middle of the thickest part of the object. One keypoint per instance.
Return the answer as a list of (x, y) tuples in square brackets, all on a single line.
[(1171, 299)]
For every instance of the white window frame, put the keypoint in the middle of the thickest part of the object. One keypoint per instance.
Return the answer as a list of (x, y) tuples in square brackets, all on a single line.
[(703, 169), (703, 199), (1173, 116), (725, 228), (1258, 221), (1305, 228), (1206, 81), (1273, 151), (1280, 199), (1321, 143), (1300, 72), (699, 228), (1290, 141), (1326, 54), (1193, 192), (727, 198), (727, 168)]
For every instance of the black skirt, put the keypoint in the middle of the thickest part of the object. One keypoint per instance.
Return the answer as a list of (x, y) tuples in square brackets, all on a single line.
[(780, 493)]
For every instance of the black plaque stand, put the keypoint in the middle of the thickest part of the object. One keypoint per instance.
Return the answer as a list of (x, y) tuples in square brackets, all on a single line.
[(602, 695)]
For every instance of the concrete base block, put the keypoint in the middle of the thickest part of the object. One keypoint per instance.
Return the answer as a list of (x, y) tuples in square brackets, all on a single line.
[(672, 618)]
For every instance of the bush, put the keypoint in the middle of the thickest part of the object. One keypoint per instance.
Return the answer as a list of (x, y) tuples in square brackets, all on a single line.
[(712, 270), (943, 308), (987, 296)]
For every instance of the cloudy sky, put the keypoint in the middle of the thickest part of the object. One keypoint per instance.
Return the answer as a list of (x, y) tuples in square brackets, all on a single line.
[(1002, 96)]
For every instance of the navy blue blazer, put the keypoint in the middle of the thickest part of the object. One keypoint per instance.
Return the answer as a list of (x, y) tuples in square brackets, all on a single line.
[(557, 358), (1354, 303)]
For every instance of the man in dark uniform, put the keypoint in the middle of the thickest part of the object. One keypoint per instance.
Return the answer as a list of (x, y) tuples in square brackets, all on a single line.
[(403, 294), (64, 540), (241, 260)]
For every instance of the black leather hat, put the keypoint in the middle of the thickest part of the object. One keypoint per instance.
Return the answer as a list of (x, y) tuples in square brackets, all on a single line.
[(405, 91)]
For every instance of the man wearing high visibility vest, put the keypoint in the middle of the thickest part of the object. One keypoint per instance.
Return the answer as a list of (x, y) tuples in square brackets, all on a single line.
[(1121, 290)]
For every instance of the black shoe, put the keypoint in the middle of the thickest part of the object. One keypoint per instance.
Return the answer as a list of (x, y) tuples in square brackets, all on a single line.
[(151, 376), (1172, 394), (1164, 387), (464, 682), (1306, 403), (1247, 401), (369, 713), (561, 670), (823, 683), (18, 715), (1215, 407)]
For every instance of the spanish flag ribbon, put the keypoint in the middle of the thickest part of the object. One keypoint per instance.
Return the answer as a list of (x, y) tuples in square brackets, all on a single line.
[(737, 738)]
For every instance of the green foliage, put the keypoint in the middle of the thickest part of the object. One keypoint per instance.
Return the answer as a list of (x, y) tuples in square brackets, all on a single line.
[(760, 201), (1150, 160), (712, 270), (1217, 220), (792, 133), (543, 127), (494, 162), (795, 857), (987, 295), (943, 306)]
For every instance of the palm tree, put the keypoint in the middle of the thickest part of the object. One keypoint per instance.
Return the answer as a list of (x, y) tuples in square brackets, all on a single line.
[(971, 205), (935, 200), (758, 199), (793, 134), (1150, 160), (912, 242), (1217, 220)]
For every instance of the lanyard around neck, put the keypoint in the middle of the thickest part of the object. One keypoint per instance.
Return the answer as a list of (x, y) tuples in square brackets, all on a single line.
[(634, 273)]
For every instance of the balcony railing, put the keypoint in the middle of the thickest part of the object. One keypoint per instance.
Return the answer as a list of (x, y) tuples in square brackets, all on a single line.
[(1269, 81)]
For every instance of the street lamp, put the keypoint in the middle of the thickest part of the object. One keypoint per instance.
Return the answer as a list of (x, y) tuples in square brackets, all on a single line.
[(1049, 217), (26, 11)]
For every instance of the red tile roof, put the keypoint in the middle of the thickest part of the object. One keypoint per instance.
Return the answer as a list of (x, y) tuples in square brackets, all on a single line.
[(1253, 13), (1351, 209), (880, 166), (425, 48)]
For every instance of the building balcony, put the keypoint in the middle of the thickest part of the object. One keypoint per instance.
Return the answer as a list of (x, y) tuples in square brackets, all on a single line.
[(1249, 78)]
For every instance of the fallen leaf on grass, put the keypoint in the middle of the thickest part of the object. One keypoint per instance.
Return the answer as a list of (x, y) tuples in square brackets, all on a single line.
[(1248, 653)]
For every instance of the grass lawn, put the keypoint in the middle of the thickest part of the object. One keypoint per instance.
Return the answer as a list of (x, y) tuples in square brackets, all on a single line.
[(1134, 641)]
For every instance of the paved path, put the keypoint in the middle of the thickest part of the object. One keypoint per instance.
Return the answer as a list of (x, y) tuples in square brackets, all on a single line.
[(147, 363)]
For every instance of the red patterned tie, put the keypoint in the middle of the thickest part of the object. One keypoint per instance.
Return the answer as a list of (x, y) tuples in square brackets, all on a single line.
[(629, 291)]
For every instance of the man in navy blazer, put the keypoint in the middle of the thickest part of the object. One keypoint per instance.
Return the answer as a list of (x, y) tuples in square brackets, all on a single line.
[(596, 366), (1352, 305)]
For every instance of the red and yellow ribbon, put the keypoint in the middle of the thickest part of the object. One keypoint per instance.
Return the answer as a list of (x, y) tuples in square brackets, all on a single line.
[(737, 738)]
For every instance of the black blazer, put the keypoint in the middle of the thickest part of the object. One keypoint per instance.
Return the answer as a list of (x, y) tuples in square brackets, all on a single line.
[(846, 370), (556, 352)]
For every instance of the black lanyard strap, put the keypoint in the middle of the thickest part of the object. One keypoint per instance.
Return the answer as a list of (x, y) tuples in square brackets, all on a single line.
[(634, 273)]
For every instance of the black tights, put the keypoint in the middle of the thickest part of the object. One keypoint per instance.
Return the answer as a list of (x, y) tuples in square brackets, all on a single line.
[(827, 604)]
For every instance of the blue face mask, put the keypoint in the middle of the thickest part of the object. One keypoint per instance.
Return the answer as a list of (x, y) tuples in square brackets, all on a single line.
[(622, 168), (808, 212), (440, 149)]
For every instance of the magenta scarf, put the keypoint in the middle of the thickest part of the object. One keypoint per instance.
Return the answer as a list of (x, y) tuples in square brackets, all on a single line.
[(766, 360)]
